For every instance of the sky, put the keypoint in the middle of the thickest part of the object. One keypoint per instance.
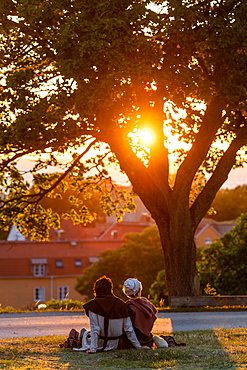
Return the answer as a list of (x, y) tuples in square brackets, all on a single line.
[(236, 177)]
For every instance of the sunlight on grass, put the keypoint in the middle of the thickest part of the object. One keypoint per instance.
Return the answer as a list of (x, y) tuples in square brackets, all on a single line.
[(234, 342), (205, 350)]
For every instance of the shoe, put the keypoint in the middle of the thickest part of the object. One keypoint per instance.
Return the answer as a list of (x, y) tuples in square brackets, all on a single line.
[(160, 343), (82, 332), (78, 349)]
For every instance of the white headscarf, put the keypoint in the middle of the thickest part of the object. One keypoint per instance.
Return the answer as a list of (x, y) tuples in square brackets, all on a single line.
[(132, 287)]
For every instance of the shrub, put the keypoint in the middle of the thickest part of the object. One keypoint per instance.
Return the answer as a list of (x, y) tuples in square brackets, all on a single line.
[(70, 305)]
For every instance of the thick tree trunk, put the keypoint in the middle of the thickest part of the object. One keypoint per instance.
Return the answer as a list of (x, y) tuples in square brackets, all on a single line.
[(177, 239), (172, 214)]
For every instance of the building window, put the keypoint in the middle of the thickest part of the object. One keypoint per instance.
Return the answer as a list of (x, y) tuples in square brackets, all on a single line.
[(93, 260), (39, 270), (78, 262), (208, 241), (60, 234), (39, 266), (63, 293), (59, 263), (39, 294)]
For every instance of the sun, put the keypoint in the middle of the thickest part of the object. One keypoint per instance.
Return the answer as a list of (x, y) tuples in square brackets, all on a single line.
[(146, 136)]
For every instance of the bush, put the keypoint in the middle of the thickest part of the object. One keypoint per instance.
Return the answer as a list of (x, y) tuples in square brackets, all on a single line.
[(70, 305), (7, 309), (158, 290)]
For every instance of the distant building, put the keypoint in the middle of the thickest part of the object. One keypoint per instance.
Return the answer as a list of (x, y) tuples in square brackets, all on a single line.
[(209, 230), (15, 235), (39, 271), (32, 272)]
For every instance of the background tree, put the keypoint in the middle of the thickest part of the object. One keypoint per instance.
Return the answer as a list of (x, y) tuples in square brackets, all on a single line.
[(223, 264), (158, 289), (79, 73), (140, 257), (229, 204)]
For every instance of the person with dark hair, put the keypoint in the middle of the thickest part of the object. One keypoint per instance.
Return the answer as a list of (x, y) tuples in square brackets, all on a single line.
[(109, 320)]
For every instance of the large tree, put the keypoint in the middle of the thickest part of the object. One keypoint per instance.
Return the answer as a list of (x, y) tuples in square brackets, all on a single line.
[(77, 73)]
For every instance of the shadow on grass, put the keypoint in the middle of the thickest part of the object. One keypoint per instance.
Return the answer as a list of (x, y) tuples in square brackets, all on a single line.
[(203, 351)]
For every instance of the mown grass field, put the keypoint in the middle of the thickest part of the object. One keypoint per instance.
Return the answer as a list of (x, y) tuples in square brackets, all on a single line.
[(213, 349)]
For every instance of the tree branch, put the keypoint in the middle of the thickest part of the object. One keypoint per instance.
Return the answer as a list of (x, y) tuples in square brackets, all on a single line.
[(225, 8), (217, 179), (144, 182), (211, 122), (32, 32), (56, 183), (26, 199), (5, 162)]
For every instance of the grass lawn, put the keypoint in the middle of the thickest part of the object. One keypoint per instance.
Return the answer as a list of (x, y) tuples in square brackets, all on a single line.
[(208, 350)]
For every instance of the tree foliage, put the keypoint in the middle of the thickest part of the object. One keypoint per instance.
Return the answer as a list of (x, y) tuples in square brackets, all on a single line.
[(83, 75), (67, 199), (158, 289), (223, 264), (140, 256), (229, 204)]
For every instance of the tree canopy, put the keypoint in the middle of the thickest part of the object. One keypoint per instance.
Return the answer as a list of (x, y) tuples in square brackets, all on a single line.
[(64, 202), (140, 257), (81, 79), (229, 204)]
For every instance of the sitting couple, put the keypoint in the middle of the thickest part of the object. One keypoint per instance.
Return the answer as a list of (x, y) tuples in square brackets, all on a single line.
[(115, 324)]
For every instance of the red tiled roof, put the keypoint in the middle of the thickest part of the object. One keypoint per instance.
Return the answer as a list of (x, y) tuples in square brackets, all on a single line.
[(77, 232), (71, 232), (16, 256), (76, 241), (220, 227)]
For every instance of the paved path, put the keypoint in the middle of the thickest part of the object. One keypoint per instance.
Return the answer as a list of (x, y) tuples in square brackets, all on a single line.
[(14, 325)]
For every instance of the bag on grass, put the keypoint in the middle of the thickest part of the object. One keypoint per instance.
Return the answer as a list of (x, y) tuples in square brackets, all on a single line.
[(73, 340), (171, 341)]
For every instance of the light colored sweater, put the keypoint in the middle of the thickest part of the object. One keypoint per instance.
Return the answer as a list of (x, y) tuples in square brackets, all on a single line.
[(91, 340)]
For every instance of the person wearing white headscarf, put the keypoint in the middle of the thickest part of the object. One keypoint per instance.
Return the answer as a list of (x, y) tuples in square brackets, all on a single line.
[(142, 313)]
